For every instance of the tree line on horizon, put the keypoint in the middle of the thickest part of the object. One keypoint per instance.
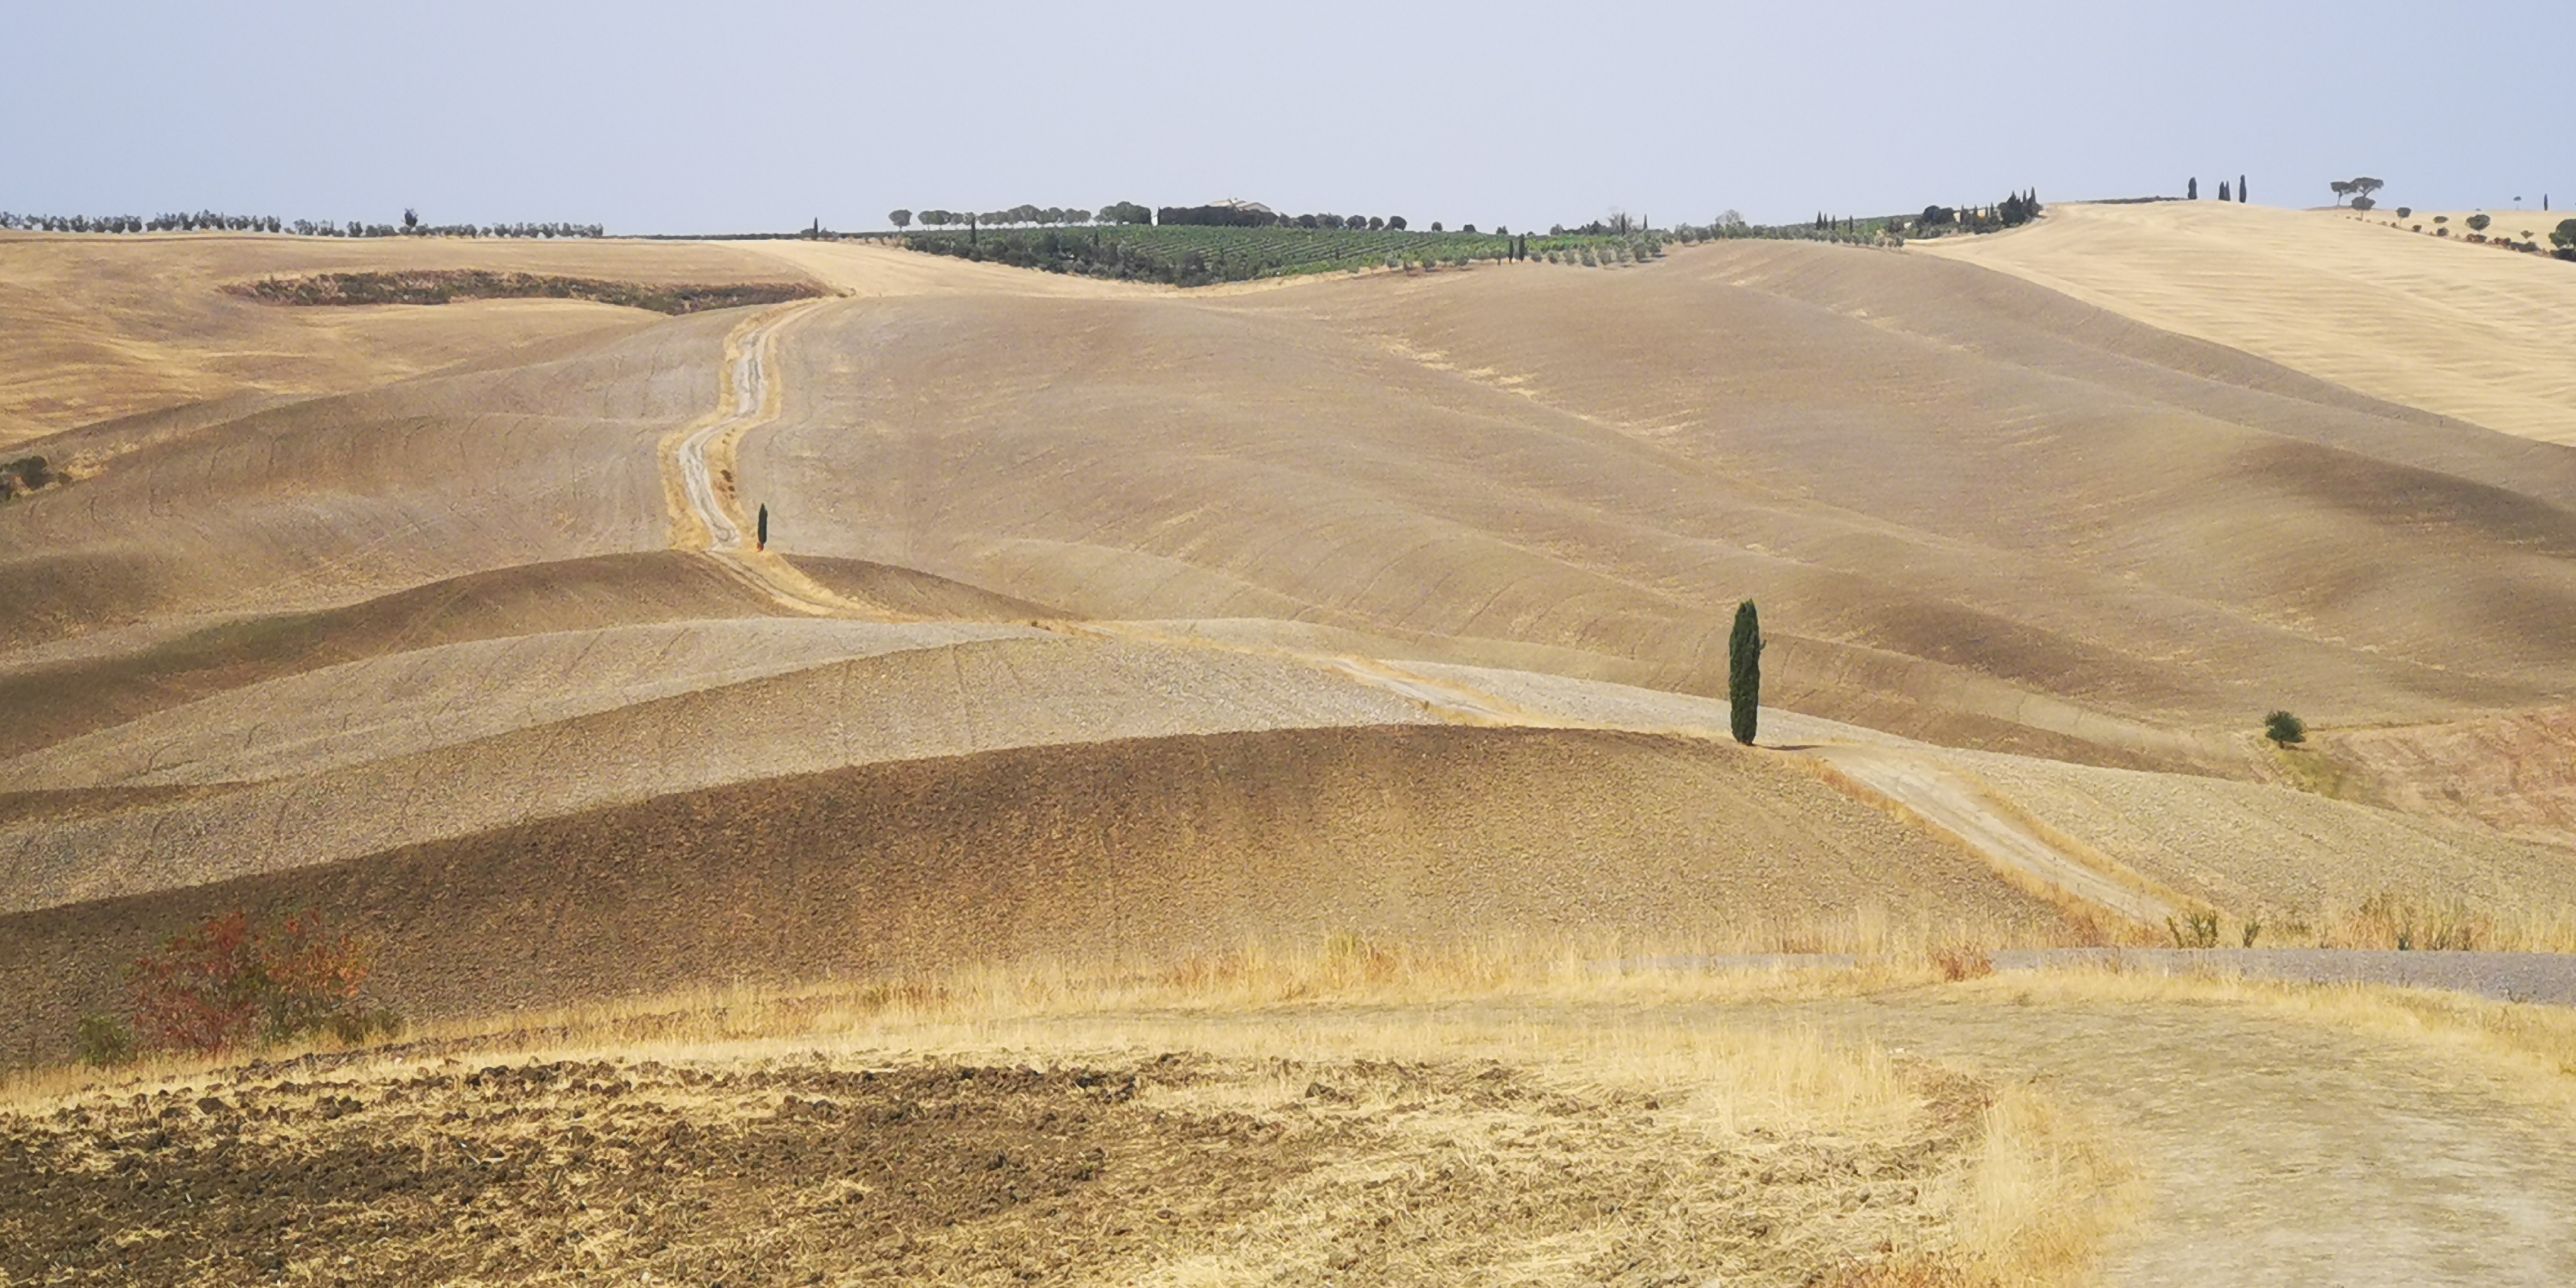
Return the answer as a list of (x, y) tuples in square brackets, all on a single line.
[(2012, 212), (1129, 212), (212, 221), (1617, 223)]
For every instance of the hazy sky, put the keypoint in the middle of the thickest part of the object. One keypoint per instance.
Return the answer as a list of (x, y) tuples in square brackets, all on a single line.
[(719, 117)]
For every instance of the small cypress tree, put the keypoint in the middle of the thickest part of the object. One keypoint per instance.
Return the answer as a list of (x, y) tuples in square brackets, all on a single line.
[(763, 537), (2191, 191), (1744, 672)]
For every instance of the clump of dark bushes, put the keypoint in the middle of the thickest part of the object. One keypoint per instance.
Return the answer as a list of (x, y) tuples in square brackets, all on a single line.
[(480, 284), (28, 474)]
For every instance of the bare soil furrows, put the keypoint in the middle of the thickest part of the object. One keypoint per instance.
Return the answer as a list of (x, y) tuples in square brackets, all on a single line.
[(1147, 848), (1122, 1171)]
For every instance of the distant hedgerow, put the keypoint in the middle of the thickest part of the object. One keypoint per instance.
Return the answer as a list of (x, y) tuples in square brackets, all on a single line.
[(441, 287)]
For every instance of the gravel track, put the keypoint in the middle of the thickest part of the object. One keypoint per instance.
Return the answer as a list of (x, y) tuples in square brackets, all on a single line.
[(2507, 977)]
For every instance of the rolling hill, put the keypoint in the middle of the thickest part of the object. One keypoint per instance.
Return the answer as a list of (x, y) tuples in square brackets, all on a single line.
[(1106, 621)]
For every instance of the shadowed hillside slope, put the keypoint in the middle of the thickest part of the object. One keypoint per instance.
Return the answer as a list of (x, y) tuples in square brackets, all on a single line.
[(1143, 849)]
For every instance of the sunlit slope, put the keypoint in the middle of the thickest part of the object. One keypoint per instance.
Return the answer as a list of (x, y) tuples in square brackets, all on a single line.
[(2464, 330), (1174, 617), (1971, 508), (328, 500), (2256, 850), (354, 759), (98, 327)]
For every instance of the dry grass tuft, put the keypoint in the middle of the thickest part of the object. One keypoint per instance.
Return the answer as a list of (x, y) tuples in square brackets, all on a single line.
[(1959, 964), (2041, 1197)]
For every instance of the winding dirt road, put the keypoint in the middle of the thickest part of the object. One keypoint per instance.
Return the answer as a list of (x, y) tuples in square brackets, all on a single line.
[(2276, 1150), (702, 458), (1950, 803)]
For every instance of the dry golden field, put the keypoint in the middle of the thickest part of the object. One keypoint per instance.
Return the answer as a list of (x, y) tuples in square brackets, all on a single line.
[(1318, 690), (2466, 331)]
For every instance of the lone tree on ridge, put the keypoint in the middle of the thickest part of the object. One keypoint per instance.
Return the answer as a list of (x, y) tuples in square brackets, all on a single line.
[(901, 219), (1744, 673)]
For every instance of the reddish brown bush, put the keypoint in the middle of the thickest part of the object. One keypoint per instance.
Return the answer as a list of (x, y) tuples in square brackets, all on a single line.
[(234, 981)]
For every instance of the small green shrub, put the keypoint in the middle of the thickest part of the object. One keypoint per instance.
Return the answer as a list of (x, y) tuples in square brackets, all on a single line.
[(2195, 930), (2285, 729), (2390, 920), (2478, 223), (364, 1024), (103, 1041)]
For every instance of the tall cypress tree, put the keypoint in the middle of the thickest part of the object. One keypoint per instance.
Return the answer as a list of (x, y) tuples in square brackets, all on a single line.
[(1744, 672), (2240, 190)]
